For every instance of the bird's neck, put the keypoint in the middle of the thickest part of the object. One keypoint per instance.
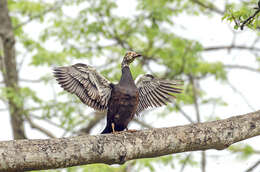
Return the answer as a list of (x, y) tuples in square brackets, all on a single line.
[(126, 77)]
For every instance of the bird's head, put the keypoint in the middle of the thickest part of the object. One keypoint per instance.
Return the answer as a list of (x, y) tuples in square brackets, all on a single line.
[(129, 58)]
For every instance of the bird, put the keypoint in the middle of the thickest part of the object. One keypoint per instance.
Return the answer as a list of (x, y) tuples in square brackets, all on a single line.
[(121, 101)]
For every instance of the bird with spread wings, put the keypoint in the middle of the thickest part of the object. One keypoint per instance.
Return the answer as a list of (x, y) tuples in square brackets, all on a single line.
[(121, 101)]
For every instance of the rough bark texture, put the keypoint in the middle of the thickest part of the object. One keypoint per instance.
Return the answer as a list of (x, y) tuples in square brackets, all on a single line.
[(9, 70), (20, 155)]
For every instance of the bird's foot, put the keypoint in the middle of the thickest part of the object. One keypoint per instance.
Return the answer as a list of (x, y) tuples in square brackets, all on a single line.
[(131, 131), (113, 129)]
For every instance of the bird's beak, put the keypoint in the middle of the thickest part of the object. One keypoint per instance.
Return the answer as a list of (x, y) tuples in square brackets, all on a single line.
[(138, 55)]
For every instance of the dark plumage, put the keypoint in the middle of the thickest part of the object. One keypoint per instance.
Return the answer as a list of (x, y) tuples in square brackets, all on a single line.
[(123, 100)]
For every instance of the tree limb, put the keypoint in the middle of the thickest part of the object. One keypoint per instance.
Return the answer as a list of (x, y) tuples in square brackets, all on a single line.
[(209, 6), (38, 127), (249, 19), (253, 167), (19, 155), (251, 69), (228, 47), (57, 5)]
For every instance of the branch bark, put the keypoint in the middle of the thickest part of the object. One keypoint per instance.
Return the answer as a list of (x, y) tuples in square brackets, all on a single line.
[(18, 155)]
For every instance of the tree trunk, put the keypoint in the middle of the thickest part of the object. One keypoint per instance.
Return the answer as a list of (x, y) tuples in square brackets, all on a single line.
[(118, 148), (9, 71)]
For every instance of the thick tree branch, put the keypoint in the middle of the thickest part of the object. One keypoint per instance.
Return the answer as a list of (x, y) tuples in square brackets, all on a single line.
[(18, 155)]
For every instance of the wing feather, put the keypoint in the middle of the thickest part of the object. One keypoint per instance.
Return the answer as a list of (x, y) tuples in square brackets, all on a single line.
[(82, 80), (154, 92)]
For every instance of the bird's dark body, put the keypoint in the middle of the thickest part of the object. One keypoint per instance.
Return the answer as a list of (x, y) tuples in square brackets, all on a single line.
[(123, 103)]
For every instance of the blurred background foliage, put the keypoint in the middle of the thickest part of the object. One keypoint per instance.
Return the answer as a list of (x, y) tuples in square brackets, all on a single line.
[(98, 33)]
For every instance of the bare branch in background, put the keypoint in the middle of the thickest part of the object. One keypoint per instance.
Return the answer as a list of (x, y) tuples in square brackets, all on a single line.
[(57, 5), (183, 112), (229, 47), (195, 97), (253, 167), (185, 162), (209, 6), (31, 80), (241, 67), (46, 120), (241, 95), (39, 128), (203, 161), (92, 123), (142, 123), (1, 110)]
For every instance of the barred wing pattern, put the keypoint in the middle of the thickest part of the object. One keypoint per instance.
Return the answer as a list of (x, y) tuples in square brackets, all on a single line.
[(155, 92), (92, 88)]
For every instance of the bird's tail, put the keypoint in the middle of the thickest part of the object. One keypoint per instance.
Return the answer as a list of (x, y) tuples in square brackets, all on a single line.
[(108, 129)]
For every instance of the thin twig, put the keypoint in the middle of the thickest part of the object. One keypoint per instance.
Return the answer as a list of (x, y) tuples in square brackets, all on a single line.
[(253, 166), (47, 120), (228, 47), (39, 128), (241, 95), (185, 162), (57, 5), (195, 97), (98, 117), (142, 123), (249, 19), (203, 161), (31, 80), (1, 110), (242, 67), (183, 112), (209, 6)]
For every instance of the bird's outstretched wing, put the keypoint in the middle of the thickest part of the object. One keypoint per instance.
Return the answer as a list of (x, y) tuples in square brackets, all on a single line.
[(154, 92), (83, 80)]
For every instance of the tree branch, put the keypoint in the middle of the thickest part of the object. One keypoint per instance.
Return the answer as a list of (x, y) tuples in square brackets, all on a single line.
[(39, 128), (98, 117), (195, 97), (249, 19), (19, 155), (228, 47), (57, 5), (253, 167), (209, 6), (242, 67)]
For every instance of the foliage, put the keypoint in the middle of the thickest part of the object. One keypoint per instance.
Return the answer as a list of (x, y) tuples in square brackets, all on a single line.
[(241, 12), (244, 151)]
